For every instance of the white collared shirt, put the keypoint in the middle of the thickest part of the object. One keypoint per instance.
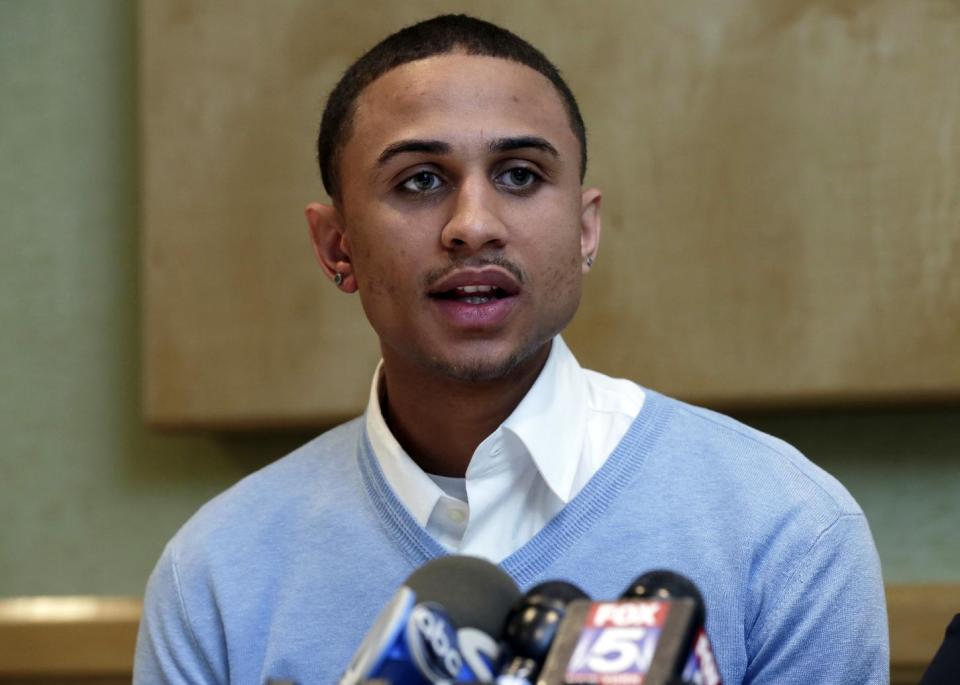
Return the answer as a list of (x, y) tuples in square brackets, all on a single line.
[(524, 472)]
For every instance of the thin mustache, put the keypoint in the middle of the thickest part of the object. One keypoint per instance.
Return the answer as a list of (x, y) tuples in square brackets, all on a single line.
[(475, 263)]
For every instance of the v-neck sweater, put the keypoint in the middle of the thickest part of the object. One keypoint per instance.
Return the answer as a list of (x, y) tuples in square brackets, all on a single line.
[(281, 576)]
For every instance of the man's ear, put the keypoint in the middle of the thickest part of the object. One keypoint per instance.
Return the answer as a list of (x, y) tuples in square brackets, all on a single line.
[(330, 244), (589, 226)]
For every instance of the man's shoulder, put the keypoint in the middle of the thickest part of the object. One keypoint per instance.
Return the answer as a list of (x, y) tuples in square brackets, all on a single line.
[(320, 475), (748, 463)]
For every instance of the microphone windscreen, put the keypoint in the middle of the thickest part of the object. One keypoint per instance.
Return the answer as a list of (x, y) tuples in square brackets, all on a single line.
[(557, 590), (475, 592), (531, 627), (664, 584)]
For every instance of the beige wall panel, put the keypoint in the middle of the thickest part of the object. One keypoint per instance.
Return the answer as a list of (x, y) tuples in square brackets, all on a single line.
[(782, 199)]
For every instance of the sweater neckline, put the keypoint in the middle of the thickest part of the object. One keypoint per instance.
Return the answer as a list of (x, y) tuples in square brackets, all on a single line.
[(528, 562)]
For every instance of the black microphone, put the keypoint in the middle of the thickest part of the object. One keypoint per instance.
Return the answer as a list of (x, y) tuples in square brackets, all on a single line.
[(653, 635), (437, 627), (530, 629), (701, 664)]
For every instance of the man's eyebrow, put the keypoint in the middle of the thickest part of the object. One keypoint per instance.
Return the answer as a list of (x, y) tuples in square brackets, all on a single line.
[(521, 142), (436, 147)]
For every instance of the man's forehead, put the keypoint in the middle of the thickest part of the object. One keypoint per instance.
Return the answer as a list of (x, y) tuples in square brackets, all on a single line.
[(459, 69), (452, 95)]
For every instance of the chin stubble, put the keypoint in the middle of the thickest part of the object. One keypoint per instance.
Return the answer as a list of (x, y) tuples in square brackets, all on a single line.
[(478, 371)]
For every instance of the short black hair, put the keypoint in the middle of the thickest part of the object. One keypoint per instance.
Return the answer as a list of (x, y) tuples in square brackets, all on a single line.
[(440, 35)]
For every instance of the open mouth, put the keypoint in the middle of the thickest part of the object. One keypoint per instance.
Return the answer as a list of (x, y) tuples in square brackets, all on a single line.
[(472, 294), (477, 298)]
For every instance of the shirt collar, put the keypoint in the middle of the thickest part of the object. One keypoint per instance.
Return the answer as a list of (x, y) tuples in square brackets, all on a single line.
[(550, 421), (413, 486), (548, 427)]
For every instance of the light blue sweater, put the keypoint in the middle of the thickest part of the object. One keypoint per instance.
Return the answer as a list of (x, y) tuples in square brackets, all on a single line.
[(281, 576)]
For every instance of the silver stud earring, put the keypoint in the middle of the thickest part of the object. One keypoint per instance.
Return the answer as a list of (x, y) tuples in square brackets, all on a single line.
[(589, 260), (338, 278)]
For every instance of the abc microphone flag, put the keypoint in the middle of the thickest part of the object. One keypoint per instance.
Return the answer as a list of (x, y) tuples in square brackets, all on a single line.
[(410, 643), (438, 627)]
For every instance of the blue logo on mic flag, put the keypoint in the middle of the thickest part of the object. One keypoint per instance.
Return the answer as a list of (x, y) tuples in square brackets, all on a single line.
[(432, 641), (617, 643)]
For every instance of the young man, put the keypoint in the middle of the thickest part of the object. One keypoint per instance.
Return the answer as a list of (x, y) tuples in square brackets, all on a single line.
[(454, 154)]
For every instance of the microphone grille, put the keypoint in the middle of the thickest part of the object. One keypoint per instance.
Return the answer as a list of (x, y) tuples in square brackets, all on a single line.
[(475, 592)]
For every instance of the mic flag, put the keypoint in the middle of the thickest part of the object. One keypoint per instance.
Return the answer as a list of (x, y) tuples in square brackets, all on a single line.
[(437, 627), (410, 643), (654, 639), (623, 642)]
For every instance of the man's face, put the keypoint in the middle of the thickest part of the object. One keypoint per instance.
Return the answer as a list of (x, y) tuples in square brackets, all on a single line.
[(461, 220)]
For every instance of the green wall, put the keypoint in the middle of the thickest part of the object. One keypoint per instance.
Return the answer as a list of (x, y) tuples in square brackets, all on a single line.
[(88, 495), (903, 466)]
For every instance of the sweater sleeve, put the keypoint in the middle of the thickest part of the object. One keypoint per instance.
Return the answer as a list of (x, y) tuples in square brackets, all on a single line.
[(169, 651), (829, 623)]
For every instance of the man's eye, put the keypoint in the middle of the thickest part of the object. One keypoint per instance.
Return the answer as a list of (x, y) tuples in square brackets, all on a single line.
[(422, 182), (518, 178)]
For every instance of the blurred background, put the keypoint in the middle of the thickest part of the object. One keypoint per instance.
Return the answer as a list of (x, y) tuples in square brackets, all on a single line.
[(94, 479)]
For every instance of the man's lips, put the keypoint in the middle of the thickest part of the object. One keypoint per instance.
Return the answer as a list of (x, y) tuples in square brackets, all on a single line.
[(476, 284)]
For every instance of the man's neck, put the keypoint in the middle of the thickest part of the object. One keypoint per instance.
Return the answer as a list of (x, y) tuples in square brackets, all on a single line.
[(440, 421)]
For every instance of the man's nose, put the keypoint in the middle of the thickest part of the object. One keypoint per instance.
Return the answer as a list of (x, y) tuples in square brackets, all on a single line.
[(475, 223)]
